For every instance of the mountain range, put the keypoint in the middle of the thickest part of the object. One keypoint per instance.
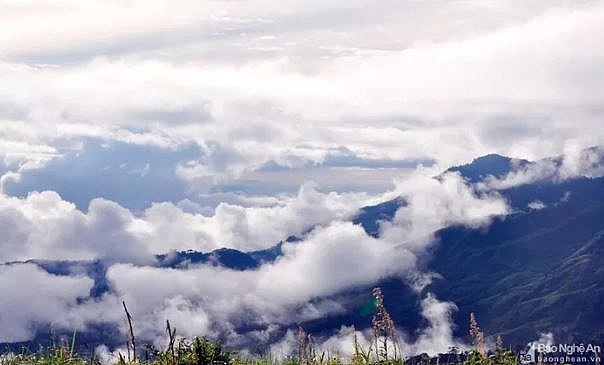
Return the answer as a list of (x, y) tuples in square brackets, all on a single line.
[(537, 269)]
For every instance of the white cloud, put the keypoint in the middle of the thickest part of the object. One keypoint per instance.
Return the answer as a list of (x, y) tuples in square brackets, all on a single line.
[(274, 293), (43, 226), (574, 163), (536, 205), (334, 257), (248, 228), (438, 203), (21, 307), (426, 99), (437, 337)]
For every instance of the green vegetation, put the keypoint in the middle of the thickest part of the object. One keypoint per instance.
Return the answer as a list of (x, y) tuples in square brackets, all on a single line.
[(383, 349), (479, 354), (56, 354)]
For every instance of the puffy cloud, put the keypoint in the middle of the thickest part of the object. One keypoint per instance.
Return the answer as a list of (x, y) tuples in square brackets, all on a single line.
[(536, 205), (437, 337), (216, 301), (303, 283), (252, 227), (447, 97), (43, 226), (575, 163), (32, 297), (582, 162), (334, 255), (208, 300), (435, 203), (275, 293)]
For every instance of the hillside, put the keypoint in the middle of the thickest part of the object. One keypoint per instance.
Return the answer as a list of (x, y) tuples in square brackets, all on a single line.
[(535, 270)]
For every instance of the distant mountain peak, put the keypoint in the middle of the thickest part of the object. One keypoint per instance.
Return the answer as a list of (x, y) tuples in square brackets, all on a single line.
[(491, 157), (491, 164)]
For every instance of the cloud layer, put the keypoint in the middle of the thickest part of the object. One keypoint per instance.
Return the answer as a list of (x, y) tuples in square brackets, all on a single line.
[(250, 87), (242, 306)]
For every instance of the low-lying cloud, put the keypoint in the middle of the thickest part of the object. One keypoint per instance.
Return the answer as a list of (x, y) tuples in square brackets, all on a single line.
[(21, 307), (333, 256), (575, 163)]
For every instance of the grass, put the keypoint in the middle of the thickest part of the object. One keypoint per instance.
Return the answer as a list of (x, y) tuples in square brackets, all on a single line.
[(56, 354), (383, 349)]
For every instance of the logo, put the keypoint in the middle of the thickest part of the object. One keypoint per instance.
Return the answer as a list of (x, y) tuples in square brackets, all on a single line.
[(576, 354)]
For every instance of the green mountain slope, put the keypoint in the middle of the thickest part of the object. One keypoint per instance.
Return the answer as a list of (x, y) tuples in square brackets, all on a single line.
[(530, 272)]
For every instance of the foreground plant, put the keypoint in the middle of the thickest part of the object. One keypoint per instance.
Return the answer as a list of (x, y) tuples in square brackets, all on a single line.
[(59, 353), (384, 332), (199, 351), (382, 349), (479, 354)]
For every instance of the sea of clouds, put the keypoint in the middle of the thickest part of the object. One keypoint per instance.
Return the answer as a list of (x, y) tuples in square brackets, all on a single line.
[(133, 129)]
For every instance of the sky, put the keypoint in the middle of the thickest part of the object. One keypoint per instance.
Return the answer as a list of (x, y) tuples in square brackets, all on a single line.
[(130, 128), (257, 96)]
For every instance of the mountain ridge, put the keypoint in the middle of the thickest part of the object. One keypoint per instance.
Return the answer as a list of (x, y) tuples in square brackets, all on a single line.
[(527, 273)]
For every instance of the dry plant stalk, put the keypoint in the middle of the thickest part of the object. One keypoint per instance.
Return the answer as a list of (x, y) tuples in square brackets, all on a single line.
[(129, 317), (306, 348), (477, 336), (172, 338), (121, 358), (383, 328), (498, 342)]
